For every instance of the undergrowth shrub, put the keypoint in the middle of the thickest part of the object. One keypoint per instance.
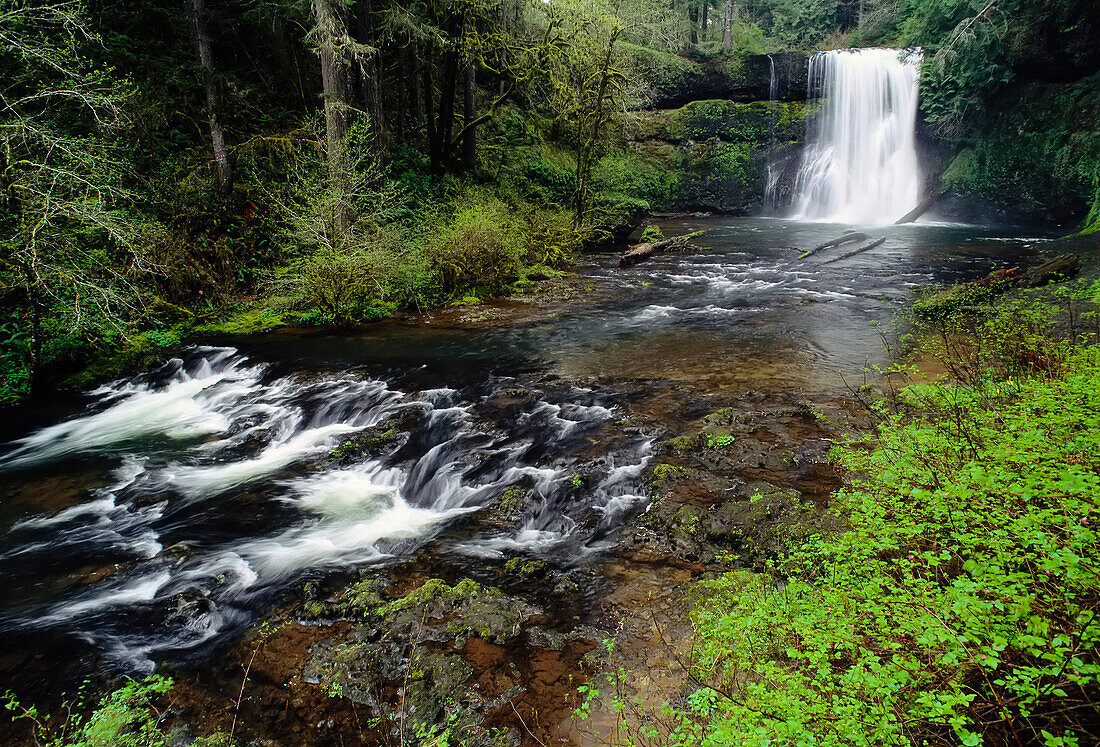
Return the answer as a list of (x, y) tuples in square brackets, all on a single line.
[(131, 716), (477, 246)]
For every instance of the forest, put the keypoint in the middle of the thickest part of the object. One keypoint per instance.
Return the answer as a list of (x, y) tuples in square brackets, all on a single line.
[(527, 372), (173, 168)]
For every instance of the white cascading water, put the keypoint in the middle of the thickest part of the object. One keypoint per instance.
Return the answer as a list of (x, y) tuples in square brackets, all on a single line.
[(225, 490), (861, 164)]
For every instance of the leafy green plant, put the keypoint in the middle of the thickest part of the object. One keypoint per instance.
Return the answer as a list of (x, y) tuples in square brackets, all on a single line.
[(127, 717), (960, 603), (715, 441)]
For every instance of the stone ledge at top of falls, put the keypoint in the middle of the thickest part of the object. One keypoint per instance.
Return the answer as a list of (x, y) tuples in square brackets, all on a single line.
[(675, 81)]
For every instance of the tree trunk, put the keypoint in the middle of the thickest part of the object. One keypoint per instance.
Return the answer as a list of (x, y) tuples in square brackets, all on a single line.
[(288, 58), (469, 114), (200, 39), (416, 88), (370, 89), (586, 150), (429, 104), (34, 352), (503, 50), (703, 20), (727, 27), (641, 252), (334, 78), (440, 155), (693, 18)]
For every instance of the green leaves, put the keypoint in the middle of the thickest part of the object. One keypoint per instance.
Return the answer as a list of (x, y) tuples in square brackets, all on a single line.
[(962, 596)]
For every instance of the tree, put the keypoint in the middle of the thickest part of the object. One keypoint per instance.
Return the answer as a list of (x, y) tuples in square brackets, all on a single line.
[(337, 52), (583, 84), (200, 39), (63, 228)]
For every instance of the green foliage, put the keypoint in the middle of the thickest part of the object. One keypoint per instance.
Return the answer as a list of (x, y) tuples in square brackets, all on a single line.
[(665, 74), (1042, 153), (801, 24), (630, 175), (244, 319), (959, 605), (718, 441), (973, 48), (662, 472), (127, 717), (477, 246), (721, 176)]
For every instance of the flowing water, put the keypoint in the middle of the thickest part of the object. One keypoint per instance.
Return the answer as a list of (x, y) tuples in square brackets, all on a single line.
[(861, 162), (167, 512)]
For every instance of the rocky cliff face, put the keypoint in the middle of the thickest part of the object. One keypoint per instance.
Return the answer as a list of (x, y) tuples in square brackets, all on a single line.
[(674, 81), (713, 155), (706, 132)]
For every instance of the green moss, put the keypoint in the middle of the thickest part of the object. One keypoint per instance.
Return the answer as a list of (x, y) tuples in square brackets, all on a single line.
[(510, 498), (244, 319), (682, 444), (526, 568), (665, 73), (721, 176), (1037, 153), (467, 608), (632, 175), (662, 472), (940, 303), (687, 522)]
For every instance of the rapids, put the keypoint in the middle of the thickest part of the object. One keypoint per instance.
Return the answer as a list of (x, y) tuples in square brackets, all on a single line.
[(173, 509)]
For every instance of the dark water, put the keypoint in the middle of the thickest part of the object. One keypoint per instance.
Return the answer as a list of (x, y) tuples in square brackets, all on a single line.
[(172, 510)]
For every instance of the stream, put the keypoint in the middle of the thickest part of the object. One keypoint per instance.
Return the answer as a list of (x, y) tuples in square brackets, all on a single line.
[(164, 514)]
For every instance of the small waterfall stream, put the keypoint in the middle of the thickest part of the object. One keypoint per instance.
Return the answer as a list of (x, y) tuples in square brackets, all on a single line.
[(861, 162), (771, 191)]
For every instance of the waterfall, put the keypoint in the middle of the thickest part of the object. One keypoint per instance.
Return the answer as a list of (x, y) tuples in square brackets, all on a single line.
[(771, 196), (861, 162)]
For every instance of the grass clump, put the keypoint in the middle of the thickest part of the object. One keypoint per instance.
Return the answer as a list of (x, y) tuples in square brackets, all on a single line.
[(960, 604)]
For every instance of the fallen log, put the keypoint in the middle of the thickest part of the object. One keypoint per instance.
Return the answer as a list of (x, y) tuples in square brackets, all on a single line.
[(844, 239), (981, 292), (922, 208), (642, 252), (854, 252), (1059, 267)]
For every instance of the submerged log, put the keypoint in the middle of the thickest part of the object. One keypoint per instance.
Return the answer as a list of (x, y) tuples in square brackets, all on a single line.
[(844, 239), (642, 252), (854, 252), (922, 208)]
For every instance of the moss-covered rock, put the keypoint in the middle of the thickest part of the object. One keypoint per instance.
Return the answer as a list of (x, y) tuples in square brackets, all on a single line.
[(1035, 157), (708, 155), (413, 644)]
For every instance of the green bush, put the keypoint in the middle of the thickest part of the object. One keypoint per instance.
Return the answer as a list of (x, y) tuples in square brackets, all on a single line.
[(477, 246), (127, 717), (630, 174), (960, 604)]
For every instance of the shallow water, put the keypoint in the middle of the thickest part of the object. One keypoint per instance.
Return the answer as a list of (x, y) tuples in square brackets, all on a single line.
[(172, 510)]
